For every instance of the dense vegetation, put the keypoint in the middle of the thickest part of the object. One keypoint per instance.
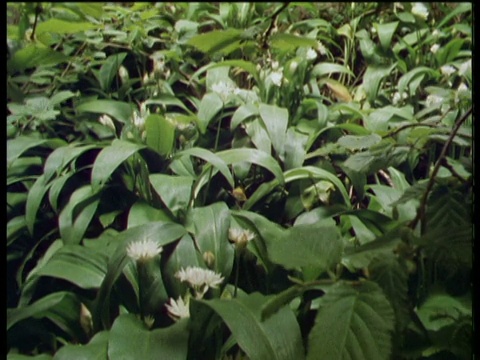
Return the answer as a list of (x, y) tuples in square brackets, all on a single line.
[(239, 180)]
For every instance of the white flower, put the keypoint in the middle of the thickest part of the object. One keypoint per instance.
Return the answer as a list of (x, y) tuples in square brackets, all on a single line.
[(311, 54), (223, 89), (123, 73), (397, 97), (462, 87), (107, 121), (277, 77), (420, 10), (200, 279), (138, 120), (434, 48), (435, 33), (321, 48), (465, 67), (240, 237), (143, 250), (447, 70), (433, 100), (275, 65), (178, 309)]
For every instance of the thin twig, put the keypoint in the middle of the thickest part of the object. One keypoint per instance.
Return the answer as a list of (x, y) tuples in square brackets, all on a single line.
[(423, 203)]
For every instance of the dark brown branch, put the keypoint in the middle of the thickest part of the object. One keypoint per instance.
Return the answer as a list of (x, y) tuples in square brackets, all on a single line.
[(423, 203)]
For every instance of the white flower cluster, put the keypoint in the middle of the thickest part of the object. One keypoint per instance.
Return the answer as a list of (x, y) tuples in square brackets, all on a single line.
[(434, 48), (200, 279), (240, 237), (311, 54), (420, 10), (143, 250), (433, 100), (397, 98), (178, 309), (447, 70), (277, 77), (107, 121), (465, 67)]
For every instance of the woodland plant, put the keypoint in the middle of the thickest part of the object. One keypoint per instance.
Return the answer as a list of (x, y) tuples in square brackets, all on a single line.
[(239, 180)]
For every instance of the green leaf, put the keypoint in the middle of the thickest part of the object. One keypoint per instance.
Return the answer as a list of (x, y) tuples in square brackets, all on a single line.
[(120, 110), (82, 266), (131, 339), (109, 69), (28, 357), (160, 134), (407, 78), (142, 213), (96, 349), (254, 156), (110, 158), (76, 216), (212, 159), (34, 201), (288, 42), (460, 8), (276, 122), (387, 271), (18, 146), (62, 157), (315, 246), (211, 224), (372, 79), (32, 56), (59, 26), (353, 143), (277, 338), (62, 308), (210, 105), (325, 68), (216, 40), (353, 322), (385, 33), (175, 191), (243, 113)]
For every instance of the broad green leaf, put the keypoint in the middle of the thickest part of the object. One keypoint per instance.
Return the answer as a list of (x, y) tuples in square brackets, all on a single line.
[(35, 198), (120, 110), (407, 78), (143, 213), (385, 33), (160, 134), (211, 158), (62, 308), (96, 349), (387, 271), (58, 186), (339, 91), (109, 69), (258, 134), (242, 64), (353, 322), (62, 157), (167, 100), (243, 113), (76, 216), (110, 158), (325, 68), (161, 232), (277, 338), (372, 79), (353, 143), (175, 191), (130, 339), (60, 97), (314, 246), (288, 42), (216, 40), (276, 122), (450, 52), (295, 149), (32, 56), (460, 8), (441, 309), (82, 266), (210, 105), (211, 224), (253, 156), (63, 27), (18, 146)]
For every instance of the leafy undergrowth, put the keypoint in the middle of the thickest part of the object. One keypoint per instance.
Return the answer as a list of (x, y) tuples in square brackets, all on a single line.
[(239, 180)]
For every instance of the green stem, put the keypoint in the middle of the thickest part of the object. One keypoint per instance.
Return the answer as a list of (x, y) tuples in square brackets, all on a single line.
[(237, 271)]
